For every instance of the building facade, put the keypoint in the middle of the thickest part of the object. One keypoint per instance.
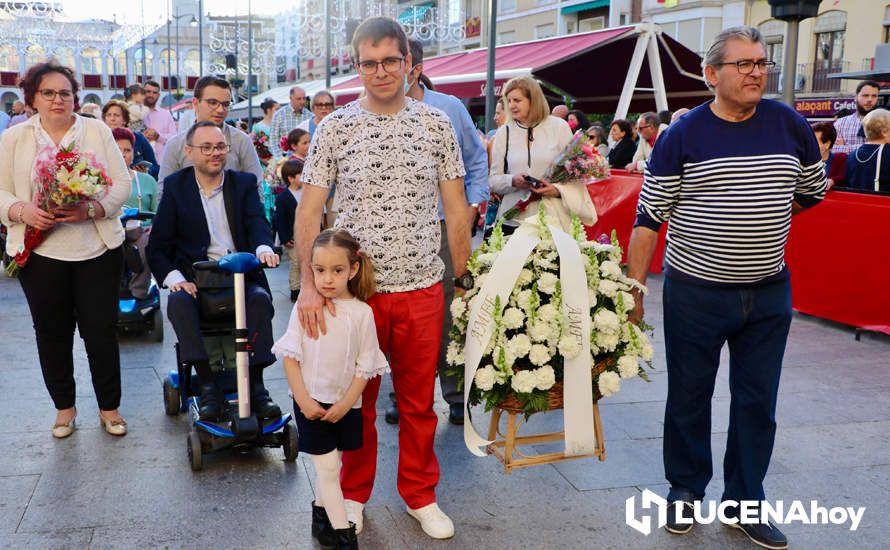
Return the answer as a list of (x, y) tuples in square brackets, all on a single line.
[(841, 39), (32, 32)]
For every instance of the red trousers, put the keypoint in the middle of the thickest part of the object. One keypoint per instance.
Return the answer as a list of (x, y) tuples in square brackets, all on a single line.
[(409, 328)]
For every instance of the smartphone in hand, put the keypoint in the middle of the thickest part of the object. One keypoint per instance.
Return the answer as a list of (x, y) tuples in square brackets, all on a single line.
[(534, 182)]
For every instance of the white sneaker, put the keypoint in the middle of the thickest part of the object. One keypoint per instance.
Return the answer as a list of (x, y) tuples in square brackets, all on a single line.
[(433, 521), (354, 512)]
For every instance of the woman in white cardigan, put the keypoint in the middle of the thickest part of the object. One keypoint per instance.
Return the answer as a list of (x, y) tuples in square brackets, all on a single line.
[(528, 144), (72, 277)]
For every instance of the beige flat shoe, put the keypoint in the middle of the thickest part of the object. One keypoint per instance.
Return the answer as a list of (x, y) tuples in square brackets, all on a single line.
[(61, 431), (114, 427)]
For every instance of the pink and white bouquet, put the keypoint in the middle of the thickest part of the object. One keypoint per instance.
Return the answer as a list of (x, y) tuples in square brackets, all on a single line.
[(579, 162), (65, 177)]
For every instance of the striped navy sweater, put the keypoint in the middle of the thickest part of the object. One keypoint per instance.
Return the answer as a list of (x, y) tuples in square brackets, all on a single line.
[(727, 190)]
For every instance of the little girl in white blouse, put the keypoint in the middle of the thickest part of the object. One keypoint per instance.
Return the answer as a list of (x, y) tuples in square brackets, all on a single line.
[(327, 375)]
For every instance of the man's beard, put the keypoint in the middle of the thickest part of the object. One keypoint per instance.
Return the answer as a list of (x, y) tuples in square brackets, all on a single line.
[(150, 103), (863, 111)]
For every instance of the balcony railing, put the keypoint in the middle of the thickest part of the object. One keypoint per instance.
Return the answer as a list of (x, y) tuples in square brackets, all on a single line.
[(809, 78)]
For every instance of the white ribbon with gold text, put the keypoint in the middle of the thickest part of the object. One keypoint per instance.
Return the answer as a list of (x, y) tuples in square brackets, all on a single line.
[(480, 324), (577, 386)]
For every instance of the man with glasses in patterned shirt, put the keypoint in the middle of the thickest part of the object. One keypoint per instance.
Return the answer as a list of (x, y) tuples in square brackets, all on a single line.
[(213, 97), (392, 158)]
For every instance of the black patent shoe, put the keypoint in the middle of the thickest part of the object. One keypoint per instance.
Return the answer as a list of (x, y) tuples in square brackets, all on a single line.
[(209, 404), (321, 526), (262, 405), (346, 538), (763, 534), (679, 517)]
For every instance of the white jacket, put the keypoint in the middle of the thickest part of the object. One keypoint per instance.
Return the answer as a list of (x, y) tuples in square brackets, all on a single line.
[(18, 149), (551, 137)]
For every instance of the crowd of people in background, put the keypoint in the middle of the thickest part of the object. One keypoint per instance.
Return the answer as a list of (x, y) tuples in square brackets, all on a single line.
[(421, 201)]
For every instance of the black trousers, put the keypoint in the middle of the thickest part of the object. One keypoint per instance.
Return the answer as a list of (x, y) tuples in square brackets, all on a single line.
[(61, 294)]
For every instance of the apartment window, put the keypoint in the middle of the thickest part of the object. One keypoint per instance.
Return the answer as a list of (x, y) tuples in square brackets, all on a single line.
[(689, 34), (545, 31), (506, 37), (830, 32), (592, 24), (506, 6)]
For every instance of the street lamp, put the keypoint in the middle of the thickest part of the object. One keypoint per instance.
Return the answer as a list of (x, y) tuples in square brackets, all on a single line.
[(792, 11)]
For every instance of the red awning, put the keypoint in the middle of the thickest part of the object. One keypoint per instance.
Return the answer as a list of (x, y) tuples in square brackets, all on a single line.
[(589, 66)]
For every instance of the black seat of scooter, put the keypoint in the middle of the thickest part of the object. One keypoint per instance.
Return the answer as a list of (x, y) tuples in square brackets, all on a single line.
[(217, 327)]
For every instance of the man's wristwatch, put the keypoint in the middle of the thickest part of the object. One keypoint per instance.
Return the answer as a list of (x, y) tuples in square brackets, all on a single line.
[(91, 210), (464, 282)]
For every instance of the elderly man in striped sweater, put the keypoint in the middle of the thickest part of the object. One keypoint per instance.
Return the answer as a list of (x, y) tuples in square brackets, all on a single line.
[(727, 177)]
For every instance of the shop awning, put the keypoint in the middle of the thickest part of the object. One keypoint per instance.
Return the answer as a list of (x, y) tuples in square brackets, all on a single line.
[(584, 6), (590, 67)]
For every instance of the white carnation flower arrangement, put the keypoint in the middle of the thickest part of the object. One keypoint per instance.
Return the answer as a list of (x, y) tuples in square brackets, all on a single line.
[(529, 344)]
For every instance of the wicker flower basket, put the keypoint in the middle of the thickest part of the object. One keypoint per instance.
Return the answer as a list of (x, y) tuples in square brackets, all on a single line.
[(512, 405), (506, 446)]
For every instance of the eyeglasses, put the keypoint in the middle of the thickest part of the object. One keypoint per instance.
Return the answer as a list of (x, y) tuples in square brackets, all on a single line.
[(208, 149), (328, 105), (746, 66), (390, 65), (215, 104), (643, 127), (50, 95)]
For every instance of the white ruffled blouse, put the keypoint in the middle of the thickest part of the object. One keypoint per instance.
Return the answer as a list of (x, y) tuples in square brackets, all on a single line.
[(349, 349)]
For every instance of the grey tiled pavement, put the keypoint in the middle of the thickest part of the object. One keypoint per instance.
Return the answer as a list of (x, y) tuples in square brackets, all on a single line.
[(95, 491)]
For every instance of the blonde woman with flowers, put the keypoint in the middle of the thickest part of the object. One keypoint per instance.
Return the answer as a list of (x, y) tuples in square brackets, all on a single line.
[(527, 145)]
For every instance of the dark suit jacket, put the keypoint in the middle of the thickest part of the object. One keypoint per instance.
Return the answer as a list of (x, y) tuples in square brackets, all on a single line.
[(143, 150), (285, 210), (179, 234)]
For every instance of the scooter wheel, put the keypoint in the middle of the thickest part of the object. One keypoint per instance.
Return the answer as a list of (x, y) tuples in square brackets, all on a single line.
[(291, 443), (171, 398), (194, 450), (157, 330)]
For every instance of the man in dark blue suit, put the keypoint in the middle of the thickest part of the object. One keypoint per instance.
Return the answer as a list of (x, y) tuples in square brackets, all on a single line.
[(205, 213)]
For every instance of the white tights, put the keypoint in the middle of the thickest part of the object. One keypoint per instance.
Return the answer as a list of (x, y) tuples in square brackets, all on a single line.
[(327, 475)]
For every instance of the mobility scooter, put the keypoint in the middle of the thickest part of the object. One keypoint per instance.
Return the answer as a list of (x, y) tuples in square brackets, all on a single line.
[(240, 428)]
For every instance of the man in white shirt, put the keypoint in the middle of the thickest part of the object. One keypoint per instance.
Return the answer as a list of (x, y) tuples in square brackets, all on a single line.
[(206, 213), (391, 158)]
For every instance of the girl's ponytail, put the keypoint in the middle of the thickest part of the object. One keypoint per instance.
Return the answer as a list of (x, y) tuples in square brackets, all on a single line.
[(363, 285)]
